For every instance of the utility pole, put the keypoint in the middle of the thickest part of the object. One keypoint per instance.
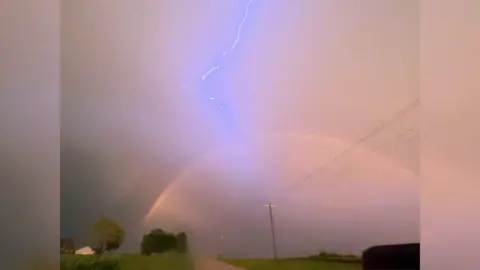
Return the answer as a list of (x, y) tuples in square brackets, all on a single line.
[(221, 246), (272, 228)]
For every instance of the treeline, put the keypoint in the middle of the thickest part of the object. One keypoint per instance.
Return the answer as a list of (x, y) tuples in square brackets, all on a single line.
[(106, 235), (332, 257), (160, 241)]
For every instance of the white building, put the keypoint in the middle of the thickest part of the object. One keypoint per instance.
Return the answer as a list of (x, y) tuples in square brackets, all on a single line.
[(85, 251)]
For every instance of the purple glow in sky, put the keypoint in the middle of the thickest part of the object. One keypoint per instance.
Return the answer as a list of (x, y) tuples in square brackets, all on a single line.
[(225, 112)]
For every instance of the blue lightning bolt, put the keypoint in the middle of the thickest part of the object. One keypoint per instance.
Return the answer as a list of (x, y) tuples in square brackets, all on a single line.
[(235, 43), (229, 128), (239, 29)]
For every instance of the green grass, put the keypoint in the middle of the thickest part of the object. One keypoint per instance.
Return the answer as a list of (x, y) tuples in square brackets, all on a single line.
[(291, 264), (128, 262)]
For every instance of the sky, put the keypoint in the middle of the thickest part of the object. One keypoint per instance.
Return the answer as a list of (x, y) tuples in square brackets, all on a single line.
[(449, 139), (142, 142), (105, 167)]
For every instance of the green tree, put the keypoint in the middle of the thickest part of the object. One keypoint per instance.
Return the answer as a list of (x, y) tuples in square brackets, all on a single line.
[(105, 235), (158, 241)]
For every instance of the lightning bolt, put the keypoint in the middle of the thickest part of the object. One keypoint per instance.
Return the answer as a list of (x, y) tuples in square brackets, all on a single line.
[(209, 72), (239, 29), (174, 185), (234, 45)]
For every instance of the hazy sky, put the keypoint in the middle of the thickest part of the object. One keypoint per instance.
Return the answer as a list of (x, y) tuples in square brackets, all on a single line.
[(308, 79), (99, 161), (450, 133)]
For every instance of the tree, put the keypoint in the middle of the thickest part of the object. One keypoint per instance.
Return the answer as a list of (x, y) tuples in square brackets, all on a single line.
[(67, 246), (182, 243), (105, 235), (158, 241)]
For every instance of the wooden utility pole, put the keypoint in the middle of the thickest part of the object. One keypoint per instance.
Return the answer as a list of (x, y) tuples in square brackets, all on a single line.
[(221, 245), (272, 228)]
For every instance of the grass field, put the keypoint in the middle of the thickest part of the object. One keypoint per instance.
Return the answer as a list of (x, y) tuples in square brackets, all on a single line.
[(126, 262), (290, 264), (181, 262)]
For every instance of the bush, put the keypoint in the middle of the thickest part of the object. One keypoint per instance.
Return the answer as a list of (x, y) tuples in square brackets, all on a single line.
[(159, 241), (66, 251), (87, 262), (335, 257)]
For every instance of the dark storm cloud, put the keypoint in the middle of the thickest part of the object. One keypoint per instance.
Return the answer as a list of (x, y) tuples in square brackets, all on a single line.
[(84, 196)]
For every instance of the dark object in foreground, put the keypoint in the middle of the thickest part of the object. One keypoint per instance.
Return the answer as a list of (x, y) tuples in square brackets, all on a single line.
[(392, 257), (67, 246)]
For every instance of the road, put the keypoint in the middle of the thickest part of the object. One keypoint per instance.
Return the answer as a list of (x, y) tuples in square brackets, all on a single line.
[(205, 263)]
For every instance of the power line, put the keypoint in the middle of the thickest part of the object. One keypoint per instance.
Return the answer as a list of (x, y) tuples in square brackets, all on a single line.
[(371, 134), (396, 138)]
